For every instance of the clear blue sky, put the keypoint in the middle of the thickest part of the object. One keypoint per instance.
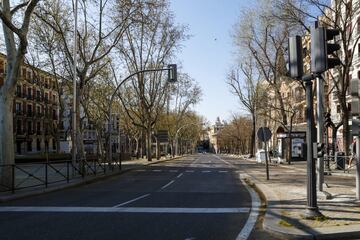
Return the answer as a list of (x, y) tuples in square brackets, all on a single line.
[(208, 55)]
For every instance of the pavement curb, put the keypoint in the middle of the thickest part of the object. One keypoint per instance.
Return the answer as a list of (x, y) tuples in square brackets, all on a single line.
[(273, 216), (37, 192)]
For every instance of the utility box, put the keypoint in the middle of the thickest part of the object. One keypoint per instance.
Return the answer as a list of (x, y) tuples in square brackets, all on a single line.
[(260, 156)]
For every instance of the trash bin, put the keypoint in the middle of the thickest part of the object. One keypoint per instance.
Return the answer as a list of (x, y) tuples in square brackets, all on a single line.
[(340, 160)]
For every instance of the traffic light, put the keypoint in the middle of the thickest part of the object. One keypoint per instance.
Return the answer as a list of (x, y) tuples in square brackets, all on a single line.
[(321, 49), (355, 107), (327, 119), (320, 150), (295, 57), (172, 74)]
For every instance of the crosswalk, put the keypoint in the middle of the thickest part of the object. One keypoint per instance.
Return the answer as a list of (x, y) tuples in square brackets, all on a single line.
[(176, 171)]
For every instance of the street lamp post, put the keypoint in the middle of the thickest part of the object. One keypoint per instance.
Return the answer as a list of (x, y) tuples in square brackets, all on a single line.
[(74, 129), (172, 77)]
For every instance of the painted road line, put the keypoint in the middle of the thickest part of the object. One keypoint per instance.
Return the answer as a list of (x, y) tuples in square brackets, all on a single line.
[(168, 184), (178, 176), (124, 210), (157, 170), (223, 171), (254, 213), (140, 170), (189, 171), (205, 171), (133, 200)]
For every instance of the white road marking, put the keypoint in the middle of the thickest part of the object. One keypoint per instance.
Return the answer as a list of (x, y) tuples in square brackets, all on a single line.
[(168, 184), (140, 170), (157, 170), (205, 171), (223, 171), (124, 210), (178, 176), (254, 213), (133, 200)]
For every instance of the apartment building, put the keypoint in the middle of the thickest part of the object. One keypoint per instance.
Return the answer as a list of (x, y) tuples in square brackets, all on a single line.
[(36, 107)]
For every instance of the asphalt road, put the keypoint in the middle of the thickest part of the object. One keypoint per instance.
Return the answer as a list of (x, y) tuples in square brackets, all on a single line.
[(196, 197)]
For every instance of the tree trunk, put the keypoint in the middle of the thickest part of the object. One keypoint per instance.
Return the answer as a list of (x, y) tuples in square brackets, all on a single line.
[(289, 155), (346, 133), (148, 145), (157, 149), (7, 153), (252, 145)]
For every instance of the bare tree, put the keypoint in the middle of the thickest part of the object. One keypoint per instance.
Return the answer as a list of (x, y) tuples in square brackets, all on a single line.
[(339, 14), (15, 21), (149, 44), (97, 36), (264, 37), (244, 83)]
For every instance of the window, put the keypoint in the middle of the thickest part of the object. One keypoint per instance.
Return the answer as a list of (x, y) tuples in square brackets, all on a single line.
[(53, 144), (18, 91), (29, 146), (38, 110), (29, 109), (38, 128), (54, 114), (29, 93), (38, 95), (29, 127), (38, 145), (18, 107), (19, 126)]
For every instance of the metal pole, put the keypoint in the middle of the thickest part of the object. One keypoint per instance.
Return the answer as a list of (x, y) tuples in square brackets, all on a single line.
[(357, 162), (266, 157), (320, 130), (109, 132), (312, 208), (74, 137)]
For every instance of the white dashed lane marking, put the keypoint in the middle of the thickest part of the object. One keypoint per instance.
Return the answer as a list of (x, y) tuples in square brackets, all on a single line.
[(125, 210)]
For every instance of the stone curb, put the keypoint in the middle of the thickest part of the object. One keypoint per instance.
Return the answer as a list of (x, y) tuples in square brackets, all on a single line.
[(36, 192), (273, 216)]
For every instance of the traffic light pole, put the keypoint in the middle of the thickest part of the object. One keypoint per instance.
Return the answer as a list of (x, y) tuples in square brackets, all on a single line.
[(312, 210), (320, 130), (357, 162)]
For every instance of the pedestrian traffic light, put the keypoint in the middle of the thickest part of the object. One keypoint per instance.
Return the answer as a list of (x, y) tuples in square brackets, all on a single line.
[(355, 107), (354, 90), (327, 119), (320, 150), (322, 52), (172, 74), (295, 57)]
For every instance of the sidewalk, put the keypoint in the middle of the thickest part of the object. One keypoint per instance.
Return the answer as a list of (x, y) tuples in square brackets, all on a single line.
[(285, 195), (126, 167)]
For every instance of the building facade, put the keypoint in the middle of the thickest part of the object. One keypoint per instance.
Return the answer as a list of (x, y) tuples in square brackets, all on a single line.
[(36, 109)]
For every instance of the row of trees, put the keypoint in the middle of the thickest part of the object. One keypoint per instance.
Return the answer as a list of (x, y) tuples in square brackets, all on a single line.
[(115, 38), (260, 38)]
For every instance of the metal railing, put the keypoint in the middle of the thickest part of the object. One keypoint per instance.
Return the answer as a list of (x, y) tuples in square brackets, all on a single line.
[(43, 174)]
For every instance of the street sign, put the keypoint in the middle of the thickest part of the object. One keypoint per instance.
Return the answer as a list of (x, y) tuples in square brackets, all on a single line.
[(264, 134), (162, 136)]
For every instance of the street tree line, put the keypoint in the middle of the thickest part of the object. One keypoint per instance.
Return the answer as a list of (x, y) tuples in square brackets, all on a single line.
[(259, 74), (115, 38)]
